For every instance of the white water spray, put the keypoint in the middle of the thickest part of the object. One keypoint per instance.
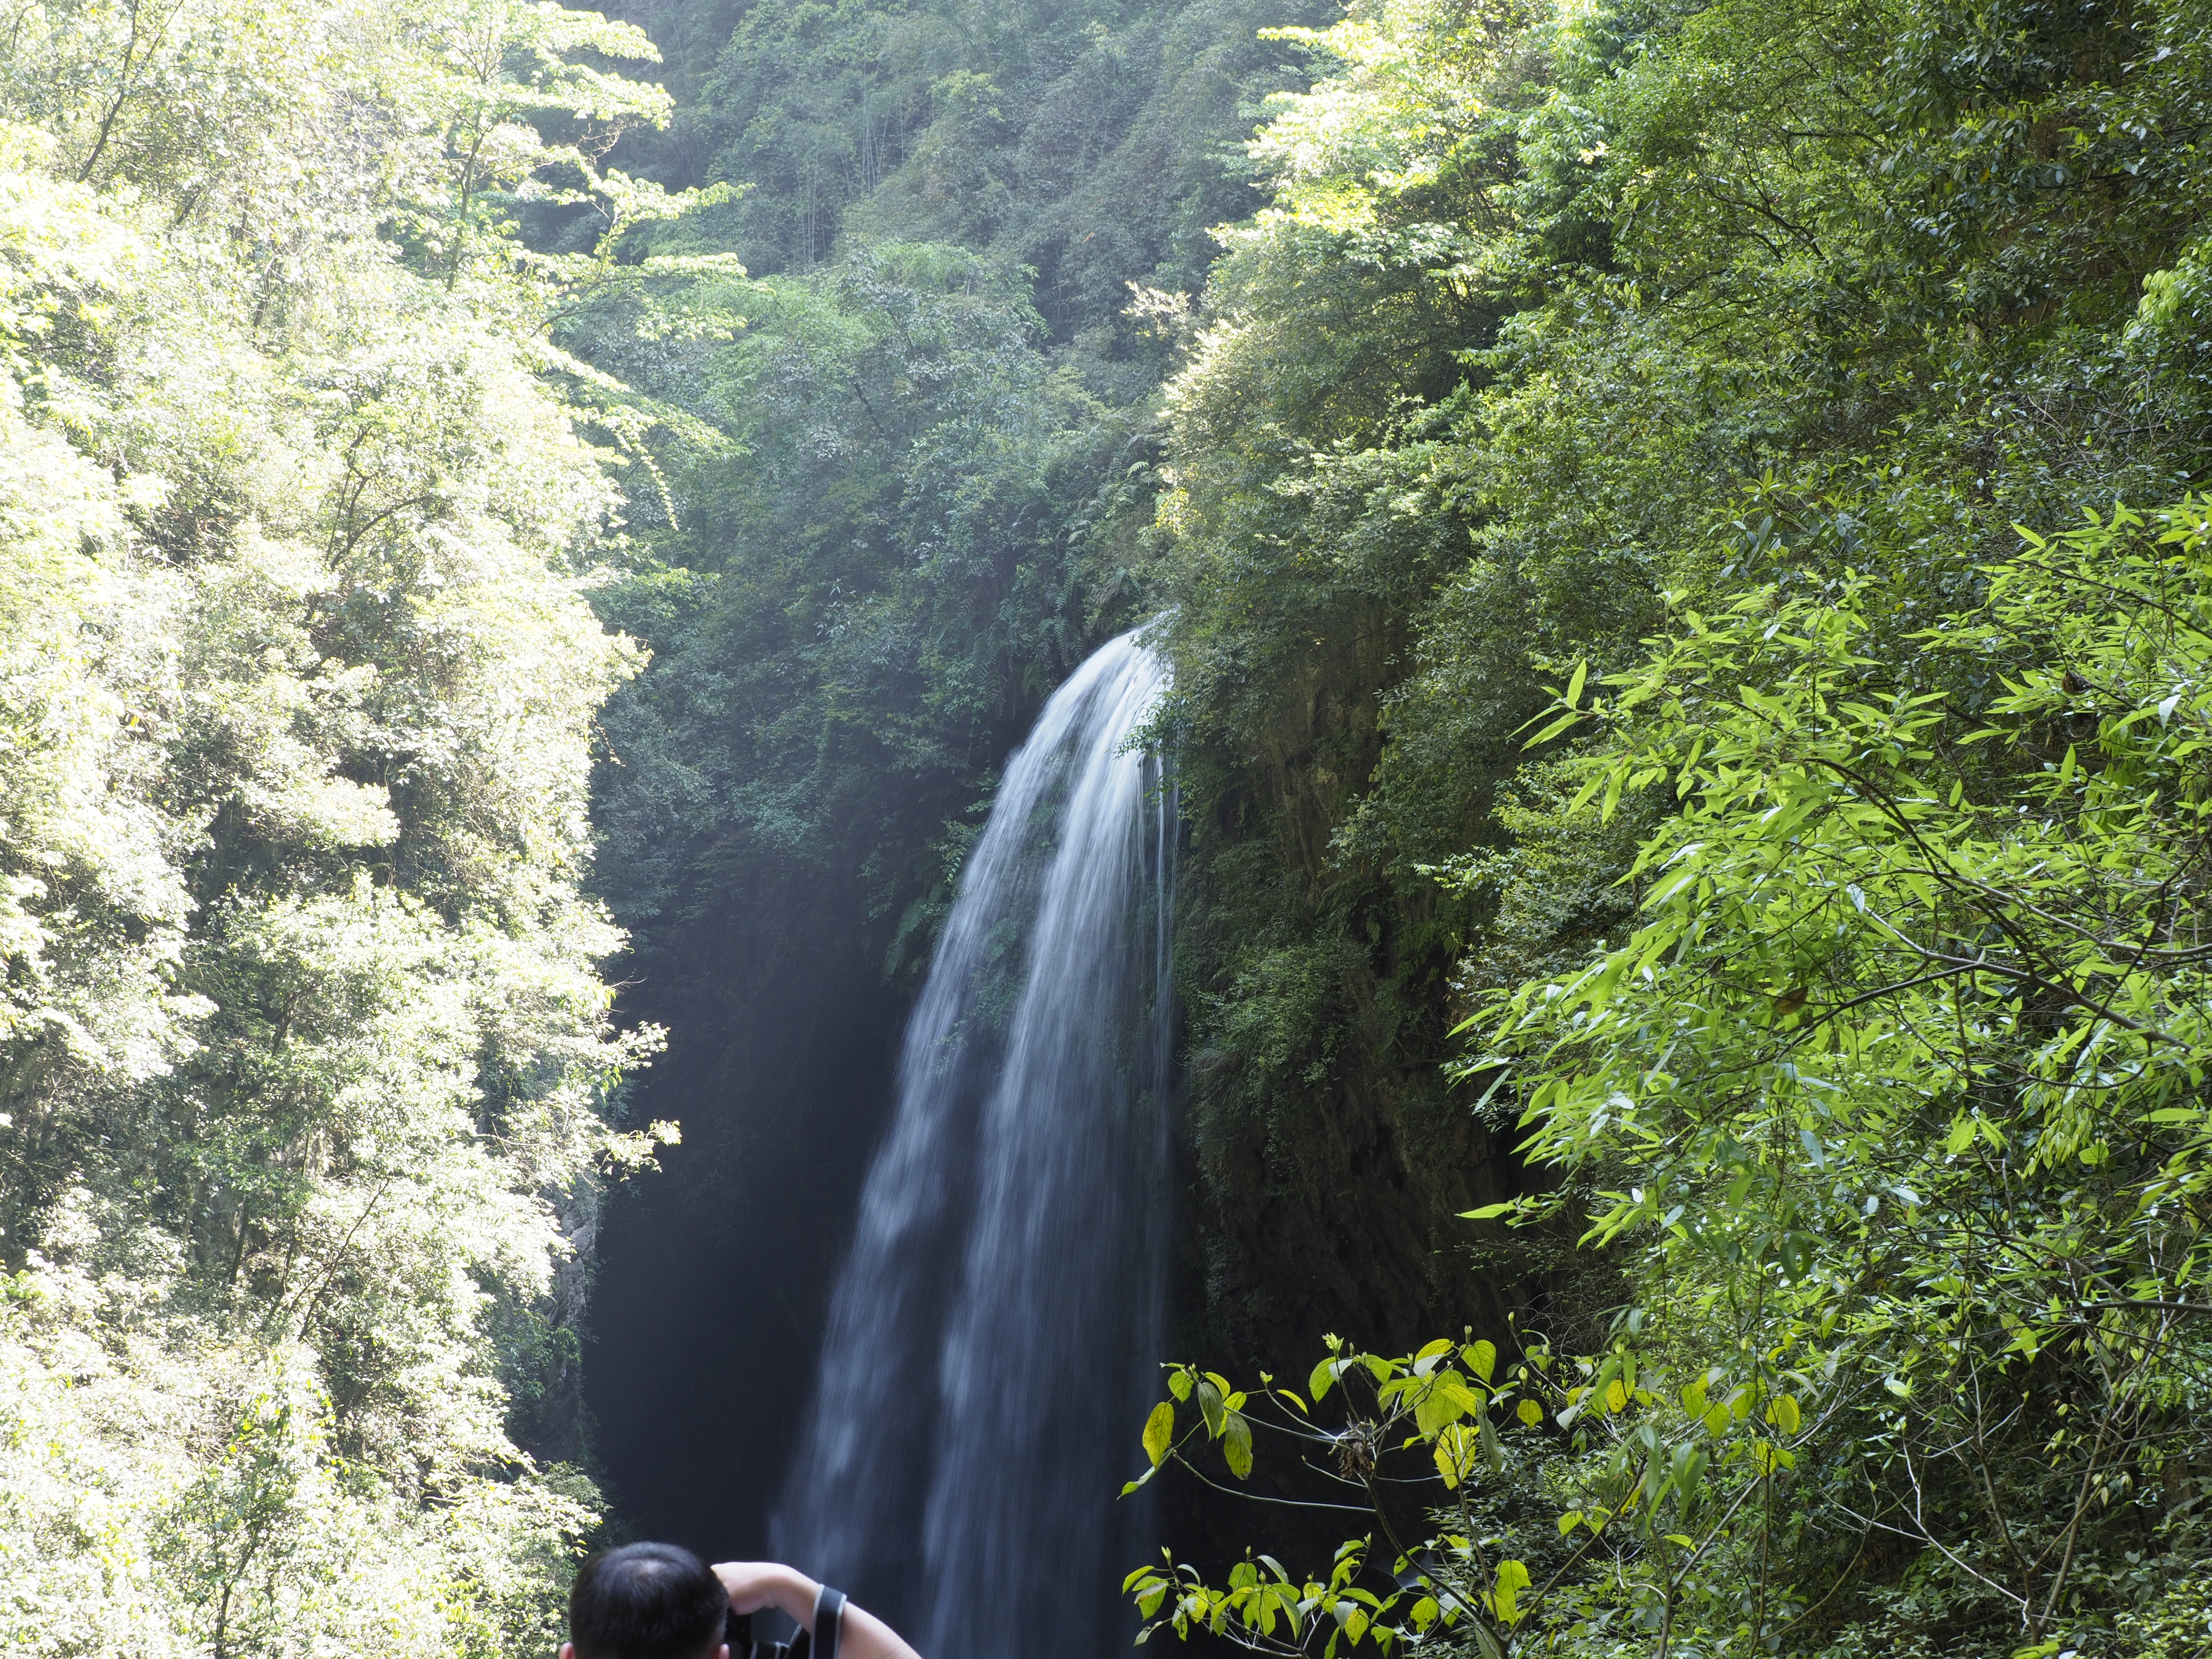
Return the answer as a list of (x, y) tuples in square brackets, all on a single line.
[(993, 1338)]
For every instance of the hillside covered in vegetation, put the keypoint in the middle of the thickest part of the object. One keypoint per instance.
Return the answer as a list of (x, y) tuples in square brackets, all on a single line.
[(1677, 531), (1687, 569), (308, 1056)]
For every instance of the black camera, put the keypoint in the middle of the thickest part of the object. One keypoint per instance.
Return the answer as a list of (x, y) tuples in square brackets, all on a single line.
[(819, 1643)]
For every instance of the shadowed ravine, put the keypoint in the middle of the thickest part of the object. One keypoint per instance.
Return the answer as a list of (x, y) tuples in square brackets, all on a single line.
[(1003, 1301)]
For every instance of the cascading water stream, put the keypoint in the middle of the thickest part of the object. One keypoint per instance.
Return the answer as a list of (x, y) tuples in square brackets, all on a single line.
[(992, 1339)]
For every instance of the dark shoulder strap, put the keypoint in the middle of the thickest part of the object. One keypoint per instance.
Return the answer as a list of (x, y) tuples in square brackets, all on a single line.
[(829, 1622)]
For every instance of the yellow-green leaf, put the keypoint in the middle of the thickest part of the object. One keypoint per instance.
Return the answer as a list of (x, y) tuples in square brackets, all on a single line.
[(1453, 1454), (1505, 1600), (1159, 1431)]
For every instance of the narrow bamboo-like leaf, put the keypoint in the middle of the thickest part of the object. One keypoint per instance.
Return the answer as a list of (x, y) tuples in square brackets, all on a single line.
[(1551, 731)]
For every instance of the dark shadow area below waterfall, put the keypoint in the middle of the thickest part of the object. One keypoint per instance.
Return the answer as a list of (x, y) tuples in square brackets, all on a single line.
[(714, 1275)]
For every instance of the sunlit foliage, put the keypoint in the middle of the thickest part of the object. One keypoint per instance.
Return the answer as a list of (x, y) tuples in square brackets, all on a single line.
[(305, 1059), (1836, 984)]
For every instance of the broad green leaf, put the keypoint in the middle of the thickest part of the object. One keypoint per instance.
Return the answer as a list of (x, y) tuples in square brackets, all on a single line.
[(1237, 1445)]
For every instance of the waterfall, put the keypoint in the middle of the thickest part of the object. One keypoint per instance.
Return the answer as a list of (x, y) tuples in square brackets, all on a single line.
[(993, 1341)]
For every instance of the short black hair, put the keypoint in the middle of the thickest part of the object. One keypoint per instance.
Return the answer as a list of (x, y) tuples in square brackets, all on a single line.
[(647, 1601)]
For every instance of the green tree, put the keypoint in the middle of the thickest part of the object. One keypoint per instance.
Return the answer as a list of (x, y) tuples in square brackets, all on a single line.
[(308, 1076)]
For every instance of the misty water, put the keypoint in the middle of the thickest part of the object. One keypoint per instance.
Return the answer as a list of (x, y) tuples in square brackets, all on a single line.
[(993, 1336)]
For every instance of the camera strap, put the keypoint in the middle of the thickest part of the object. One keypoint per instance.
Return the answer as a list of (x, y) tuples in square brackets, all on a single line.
[(829, 1621), (820, 1643)]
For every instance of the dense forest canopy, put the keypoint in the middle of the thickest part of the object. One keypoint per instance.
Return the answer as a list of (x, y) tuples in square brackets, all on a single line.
[(1675, 529), (1682, 532), (308, 1056)]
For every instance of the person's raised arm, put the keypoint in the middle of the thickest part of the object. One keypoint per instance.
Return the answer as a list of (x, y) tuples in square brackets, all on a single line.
[(755, 1584)]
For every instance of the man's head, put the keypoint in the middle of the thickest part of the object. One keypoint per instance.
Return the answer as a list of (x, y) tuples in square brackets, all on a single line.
[(646, 1602)]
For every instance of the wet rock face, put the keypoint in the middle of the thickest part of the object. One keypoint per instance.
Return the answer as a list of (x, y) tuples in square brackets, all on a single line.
[(1325, 1157), (1330, 1157)]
